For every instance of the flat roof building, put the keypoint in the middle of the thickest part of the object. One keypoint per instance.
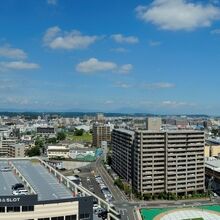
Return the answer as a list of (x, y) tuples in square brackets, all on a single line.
[(58, 151), (48, 197)]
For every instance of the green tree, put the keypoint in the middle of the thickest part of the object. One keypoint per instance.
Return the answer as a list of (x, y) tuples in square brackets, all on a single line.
[(147, 196), (78, 132), (127, 189), (119, 183), (61, 136), (52, 140), (109, 160), (39, 143), (34, 151)]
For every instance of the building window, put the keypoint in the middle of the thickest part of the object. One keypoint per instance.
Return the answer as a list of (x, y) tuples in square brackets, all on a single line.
[(2, 209), (13, 209), (70, 217), (27, 208), (57, 218), (43, 218)]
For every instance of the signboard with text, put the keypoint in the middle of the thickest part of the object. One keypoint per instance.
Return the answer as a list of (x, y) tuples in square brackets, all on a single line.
[(22, 200)]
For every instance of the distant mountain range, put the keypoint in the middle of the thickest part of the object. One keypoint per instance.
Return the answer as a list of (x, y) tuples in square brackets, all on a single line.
[(15, 112)]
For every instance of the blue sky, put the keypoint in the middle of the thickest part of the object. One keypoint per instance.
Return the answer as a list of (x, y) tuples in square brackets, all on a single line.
[(160, 56)]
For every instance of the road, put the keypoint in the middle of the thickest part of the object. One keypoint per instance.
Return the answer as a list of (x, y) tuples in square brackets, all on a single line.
[(121, 203), (115, 191)]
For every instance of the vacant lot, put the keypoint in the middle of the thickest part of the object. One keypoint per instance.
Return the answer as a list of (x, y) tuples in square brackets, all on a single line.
[(86, 137)]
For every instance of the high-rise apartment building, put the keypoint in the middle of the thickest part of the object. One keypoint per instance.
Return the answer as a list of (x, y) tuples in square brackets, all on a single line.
[(156, 161), (101, 132), (122, 152), (100, 117)]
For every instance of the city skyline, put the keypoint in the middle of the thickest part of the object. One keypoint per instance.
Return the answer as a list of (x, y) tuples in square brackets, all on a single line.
[(110, 56)]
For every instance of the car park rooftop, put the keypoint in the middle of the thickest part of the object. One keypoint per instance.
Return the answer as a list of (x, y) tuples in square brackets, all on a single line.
[(45, 184)]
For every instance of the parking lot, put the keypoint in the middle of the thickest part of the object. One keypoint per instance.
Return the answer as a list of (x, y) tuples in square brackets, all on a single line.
[(96, 185), (89, 182)]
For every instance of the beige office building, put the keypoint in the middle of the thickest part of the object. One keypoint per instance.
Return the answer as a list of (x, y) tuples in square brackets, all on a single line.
[(153, 123), (101, 132), (9, 148), (4, 145), (16, 150), (171, 161), (212, 150)]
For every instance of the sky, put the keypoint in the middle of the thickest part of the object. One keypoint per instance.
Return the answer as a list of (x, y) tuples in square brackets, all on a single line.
[(152, 56)]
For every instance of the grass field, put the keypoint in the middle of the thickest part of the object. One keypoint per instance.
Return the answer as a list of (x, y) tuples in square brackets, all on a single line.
[(86, 137), (152, 213)]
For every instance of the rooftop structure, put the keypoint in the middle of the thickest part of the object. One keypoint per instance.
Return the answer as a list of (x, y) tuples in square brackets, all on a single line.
[(49, 194), (43, 190)]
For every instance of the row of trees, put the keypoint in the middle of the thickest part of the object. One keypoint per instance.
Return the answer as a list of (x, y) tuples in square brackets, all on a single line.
[(123, 186), (170, 196)]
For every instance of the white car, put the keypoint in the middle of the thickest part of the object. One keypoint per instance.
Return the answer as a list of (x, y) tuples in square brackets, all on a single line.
[(96, 206), (20, 192)]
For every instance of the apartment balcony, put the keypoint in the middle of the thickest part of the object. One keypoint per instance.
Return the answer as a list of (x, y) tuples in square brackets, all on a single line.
[(171, 182), (153, 150), (176, 136), (195, 136), (170, 141), (158, 187)]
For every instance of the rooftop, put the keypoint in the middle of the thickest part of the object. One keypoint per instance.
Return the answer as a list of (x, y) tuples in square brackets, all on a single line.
[(44, 184), (213, 164), (125, 131)]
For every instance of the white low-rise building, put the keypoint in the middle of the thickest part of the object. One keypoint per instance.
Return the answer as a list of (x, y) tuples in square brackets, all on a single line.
[(58, 151)]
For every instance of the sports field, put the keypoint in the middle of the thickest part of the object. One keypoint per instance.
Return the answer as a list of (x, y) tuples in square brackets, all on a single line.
[(189, 213)]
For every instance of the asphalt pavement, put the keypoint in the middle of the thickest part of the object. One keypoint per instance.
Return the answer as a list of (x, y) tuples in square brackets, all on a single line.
[(115, 191)]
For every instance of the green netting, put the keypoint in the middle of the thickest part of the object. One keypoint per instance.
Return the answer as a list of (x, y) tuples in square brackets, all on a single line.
[(150, 214)]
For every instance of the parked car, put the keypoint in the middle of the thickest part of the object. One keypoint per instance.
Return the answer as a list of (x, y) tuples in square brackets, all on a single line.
[(20, 192), (17, 186), (103, 214), (5, 169), (98, 211), (96, 206)]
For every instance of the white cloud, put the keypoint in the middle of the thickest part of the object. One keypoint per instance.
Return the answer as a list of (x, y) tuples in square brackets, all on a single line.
[(215, 31), (159, 85), (178, 14), (94, 65), (153, 43), (125, 68), (122, 85), (17, 65), (55, 38), (52, 2), (12, 53), (120, 50), (119, 38), (176, 104)]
